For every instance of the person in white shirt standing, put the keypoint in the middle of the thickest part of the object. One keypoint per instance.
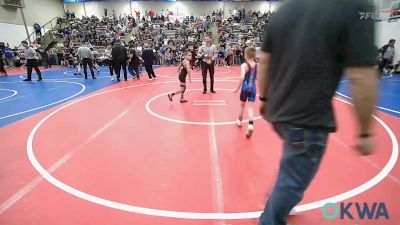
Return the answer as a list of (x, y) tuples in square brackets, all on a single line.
[(386, 56), (110, 61), (209, 53), (31, 61), (85, 56)]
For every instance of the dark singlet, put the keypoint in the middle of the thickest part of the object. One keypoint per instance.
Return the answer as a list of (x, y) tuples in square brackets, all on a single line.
[(183, 73)]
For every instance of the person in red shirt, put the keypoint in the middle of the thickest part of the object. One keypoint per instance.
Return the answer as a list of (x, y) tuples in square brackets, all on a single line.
[(138, 15), (151, 14)]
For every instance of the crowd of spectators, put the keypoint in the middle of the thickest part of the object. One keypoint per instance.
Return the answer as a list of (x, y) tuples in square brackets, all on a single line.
[(188, 33), (168, 35), (92, 29)]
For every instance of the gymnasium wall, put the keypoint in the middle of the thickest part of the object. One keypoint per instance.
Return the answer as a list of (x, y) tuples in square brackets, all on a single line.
[(41, 11), (14, 34), (186, 8), (386, 4)]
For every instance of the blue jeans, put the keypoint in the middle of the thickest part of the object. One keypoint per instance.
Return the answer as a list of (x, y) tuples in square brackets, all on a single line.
[(134, 71), (303, 150)]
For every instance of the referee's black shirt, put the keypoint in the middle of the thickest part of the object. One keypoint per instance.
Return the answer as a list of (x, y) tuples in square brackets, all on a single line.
[(119, 52)]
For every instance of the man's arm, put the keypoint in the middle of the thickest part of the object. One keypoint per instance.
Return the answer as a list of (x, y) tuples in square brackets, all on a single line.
[(215, 55), (200, 52), (360, 57), (364, 88), (78, 54), (263, 74)]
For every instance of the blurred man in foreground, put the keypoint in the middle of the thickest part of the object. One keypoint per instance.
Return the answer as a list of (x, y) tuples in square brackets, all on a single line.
[(307, 47)]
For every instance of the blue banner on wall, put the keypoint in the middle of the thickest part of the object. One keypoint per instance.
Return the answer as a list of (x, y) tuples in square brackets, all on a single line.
[(72, 1)]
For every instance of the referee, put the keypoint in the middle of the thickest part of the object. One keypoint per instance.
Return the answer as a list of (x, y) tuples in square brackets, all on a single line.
[(209, 53), (85, 55), (31, 61)]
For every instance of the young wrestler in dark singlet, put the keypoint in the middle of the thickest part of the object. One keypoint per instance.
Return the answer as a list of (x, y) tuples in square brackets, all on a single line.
[(184, 70)]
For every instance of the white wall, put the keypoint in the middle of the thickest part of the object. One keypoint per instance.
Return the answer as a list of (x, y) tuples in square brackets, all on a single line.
[(41, 11), (386, 4), (77, 8), (263, 6), (185, 8), (386, 31), (13, 34)]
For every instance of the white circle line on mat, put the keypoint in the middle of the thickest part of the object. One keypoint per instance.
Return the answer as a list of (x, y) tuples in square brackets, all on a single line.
[(148, 109), (199, 215), (83, 87), (14, 92)]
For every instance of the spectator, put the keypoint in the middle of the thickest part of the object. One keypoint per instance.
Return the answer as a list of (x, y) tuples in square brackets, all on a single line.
[(137, 15), (386, 56), (134, 64), (38, 30), (120, 58), (3, 71), (45, 58), (8, 54), (109, 60), (148, 58), (221, 56)]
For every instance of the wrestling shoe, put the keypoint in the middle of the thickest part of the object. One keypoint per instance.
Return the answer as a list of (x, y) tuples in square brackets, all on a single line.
[(170, 97), (239, 122), (249, 130)]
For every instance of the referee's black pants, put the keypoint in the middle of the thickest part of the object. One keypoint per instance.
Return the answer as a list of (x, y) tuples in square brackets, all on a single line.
[(110, 64), (33, 64), (85, 63), (208, 67), (117, 67), (149, 70)]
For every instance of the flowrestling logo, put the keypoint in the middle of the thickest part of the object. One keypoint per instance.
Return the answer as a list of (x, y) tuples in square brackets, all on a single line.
[(377, 15), (355, 210)]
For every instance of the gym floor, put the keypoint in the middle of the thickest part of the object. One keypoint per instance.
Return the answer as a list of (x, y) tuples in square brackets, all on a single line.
[(77, 151)]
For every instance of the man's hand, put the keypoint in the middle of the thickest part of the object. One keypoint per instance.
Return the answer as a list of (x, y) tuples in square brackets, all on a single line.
[(263, 108), (364, 86), (365, 146)]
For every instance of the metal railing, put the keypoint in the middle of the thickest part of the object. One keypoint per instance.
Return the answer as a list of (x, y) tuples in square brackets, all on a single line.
[(43, 29)]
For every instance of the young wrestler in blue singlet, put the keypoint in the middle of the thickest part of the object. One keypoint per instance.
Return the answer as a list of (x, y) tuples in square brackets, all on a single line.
[(247, 85)]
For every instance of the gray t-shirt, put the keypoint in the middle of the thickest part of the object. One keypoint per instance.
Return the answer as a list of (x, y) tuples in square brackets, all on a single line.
[(310, 43), (208, 52), (389, 53), (84, 52), (30, 53)]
